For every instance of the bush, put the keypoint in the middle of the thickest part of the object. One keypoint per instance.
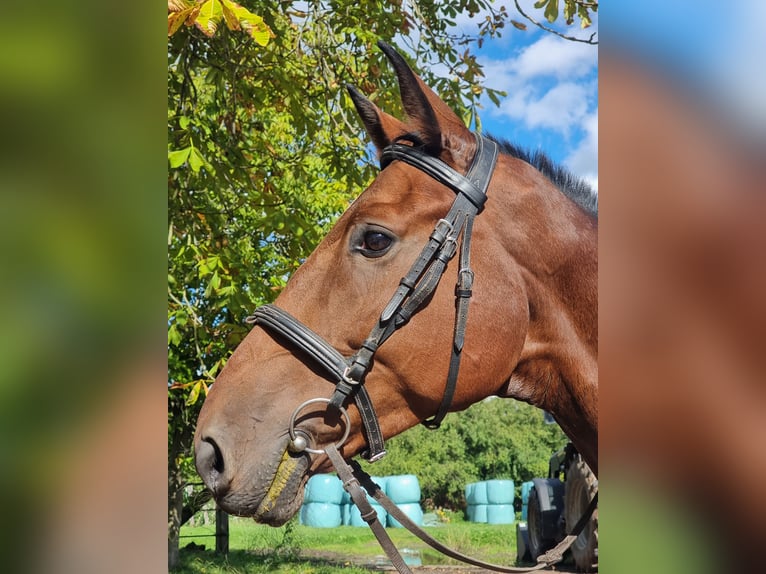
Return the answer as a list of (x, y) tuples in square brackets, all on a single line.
[(499, 438)]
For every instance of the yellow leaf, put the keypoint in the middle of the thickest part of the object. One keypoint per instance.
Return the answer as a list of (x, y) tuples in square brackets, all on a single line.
[(194, 394), (252, 23), (179, 5), (209, 16), (232, 22), (261, 34), (175, 19)]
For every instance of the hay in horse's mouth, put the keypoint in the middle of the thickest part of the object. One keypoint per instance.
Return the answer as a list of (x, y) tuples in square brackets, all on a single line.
[(286, 469), (284, 495)]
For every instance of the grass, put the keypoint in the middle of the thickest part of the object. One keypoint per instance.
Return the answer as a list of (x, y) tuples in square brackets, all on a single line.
[(255, 548)]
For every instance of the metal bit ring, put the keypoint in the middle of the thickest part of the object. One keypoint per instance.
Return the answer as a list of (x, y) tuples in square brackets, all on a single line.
[(299, 440)]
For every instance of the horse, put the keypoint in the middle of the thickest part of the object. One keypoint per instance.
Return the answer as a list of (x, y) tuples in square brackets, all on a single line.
[(527, 265)]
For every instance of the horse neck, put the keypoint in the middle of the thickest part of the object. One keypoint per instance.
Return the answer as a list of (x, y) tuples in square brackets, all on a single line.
[(554, 244)]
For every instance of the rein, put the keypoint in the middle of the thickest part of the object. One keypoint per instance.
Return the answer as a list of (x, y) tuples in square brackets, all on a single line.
[(354, 478), (413, 291)]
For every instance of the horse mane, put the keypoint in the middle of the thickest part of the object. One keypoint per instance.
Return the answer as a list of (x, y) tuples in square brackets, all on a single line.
[(574, 187), (569, 184)]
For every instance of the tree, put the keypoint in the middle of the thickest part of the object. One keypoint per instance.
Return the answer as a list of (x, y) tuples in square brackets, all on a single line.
[(582, 9), (265, 151), (495, 438)]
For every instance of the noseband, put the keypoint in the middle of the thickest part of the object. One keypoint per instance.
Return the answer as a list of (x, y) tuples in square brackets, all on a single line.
[(414, 290)]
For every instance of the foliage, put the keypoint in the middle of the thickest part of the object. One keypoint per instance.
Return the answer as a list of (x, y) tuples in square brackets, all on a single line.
[(493, 439), (264, 152)]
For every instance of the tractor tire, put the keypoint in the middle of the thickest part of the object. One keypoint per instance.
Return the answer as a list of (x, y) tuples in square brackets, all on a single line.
[(543, 515), (580, 487)]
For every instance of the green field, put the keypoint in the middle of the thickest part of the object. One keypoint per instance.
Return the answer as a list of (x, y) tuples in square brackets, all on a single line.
[(254, 548)]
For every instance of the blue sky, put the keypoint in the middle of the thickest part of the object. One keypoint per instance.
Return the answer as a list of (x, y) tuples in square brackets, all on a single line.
[(552, 91)]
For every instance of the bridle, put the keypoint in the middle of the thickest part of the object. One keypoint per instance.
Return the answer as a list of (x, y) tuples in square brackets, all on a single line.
[(413, 292)]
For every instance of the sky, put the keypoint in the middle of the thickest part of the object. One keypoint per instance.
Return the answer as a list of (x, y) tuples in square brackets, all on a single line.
[(552, 91)]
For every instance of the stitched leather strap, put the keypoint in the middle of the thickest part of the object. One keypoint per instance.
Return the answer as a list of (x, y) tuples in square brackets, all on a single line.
[(367, 512), (335, 367), (353, 476)]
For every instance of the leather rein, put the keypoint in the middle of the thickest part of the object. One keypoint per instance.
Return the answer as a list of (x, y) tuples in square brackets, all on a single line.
[(414, 290)]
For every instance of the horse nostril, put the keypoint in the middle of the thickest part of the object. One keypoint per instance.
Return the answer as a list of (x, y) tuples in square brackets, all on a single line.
[(209, 458)]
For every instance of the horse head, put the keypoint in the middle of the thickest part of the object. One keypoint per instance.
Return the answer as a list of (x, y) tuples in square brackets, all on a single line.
[(531, 333)]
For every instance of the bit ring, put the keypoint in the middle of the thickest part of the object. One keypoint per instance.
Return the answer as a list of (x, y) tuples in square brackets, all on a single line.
[(301, 445)]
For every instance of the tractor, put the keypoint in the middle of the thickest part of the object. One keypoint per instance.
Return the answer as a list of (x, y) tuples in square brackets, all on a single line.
[(554, 506)]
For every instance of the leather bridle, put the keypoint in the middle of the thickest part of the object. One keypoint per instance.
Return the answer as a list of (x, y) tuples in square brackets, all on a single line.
[(413, 292)]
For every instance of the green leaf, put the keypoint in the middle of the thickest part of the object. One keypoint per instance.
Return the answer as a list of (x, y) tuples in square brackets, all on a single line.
[(196, 160), (174, 337), (194, 393), (178, 157), (209, 17), (552, 10)]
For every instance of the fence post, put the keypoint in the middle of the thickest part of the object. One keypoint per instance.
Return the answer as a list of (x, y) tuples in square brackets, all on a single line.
[(221, 532)]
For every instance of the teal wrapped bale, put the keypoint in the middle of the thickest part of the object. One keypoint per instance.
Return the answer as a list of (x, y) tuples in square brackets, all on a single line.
[(477, 513), (403, 488), (525, 488), (500, 514), (381, 481), (320, 515), (476, 493), (324, 488), (355, 517), (345, 514), (499, 491), (412, 510)]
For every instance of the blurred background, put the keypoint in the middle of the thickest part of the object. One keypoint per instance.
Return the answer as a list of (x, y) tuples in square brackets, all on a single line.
[(83, 181)]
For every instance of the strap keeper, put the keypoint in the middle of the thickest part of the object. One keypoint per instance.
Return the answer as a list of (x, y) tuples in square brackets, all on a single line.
[(448, 250), (407, 282), (343, 389), (441, 231), (369, 517)]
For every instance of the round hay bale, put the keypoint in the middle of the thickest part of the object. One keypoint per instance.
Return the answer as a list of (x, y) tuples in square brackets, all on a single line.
[(355, 517), (403, 488), (412, 510), (477, 513), (499, 491), (525, 486), (324, 488), (479, 493), (320, 515), (500, 514)]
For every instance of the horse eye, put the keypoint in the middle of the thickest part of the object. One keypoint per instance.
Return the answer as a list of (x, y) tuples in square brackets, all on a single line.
[(376, 242)]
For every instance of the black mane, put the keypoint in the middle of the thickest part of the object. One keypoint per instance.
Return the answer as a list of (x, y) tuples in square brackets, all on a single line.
[(570, 185)]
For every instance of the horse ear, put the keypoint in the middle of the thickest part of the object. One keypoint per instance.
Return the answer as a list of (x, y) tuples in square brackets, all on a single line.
[(379, 125), (416, 105), (439, 126)]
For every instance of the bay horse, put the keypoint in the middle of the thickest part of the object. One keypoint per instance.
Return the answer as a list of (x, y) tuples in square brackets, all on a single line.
[(528, 266)]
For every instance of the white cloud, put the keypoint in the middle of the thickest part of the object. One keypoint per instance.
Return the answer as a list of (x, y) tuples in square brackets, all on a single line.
[(584, 158), (560, 108), (554, 56)]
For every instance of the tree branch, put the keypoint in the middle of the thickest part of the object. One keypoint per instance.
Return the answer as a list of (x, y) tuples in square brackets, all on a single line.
[(552, 31)]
